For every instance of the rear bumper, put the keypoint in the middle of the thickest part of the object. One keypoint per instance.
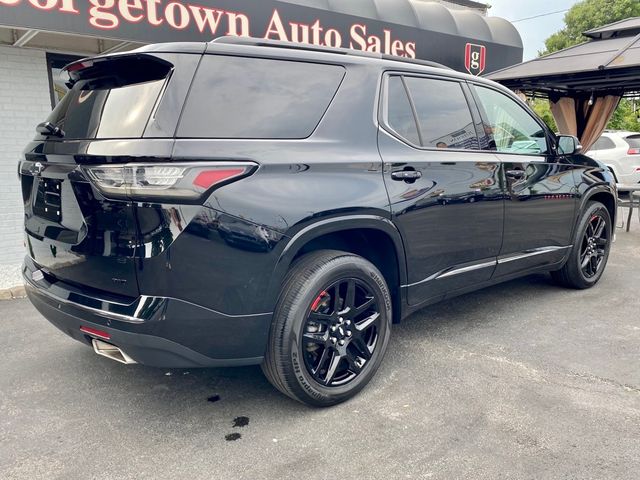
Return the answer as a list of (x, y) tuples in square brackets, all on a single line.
[(155, 331)]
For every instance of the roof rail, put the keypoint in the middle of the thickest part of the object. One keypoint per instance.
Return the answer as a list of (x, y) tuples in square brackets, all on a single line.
[(262, 42), (415, 61)]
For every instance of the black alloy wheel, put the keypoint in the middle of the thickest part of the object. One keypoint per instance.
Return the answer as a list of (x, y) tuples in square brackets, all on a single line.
[(594, 245), (330, 328), (341, 332), (588, 257)]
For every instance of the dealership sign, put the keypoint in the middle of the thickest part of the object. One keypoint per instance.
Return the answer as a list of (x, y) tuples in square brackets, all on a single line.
[(475, 58), (151, 21)]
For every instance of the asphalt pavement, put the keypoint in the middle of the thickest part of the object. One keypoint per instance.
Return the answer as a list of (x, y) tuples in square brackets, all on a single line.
[(520, 381)]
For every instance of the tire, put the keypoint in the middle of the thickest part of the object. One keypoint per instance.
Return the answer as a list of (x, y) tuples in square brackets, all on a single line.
[(314, 291), (574, 274)]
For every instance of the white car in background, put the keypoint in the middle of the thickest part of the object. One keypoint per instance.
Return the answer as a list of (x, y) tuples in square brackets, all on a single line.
[(620, 151)]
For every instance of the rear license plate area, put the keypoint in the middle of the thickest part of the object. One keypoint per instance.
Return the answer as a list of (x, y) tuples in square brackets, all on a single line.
[(48, 202)]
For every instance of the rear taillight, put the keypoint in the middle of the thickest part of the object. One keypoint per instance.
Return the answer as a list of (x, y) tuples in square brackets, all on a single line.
[(170, 182), (633, 151)]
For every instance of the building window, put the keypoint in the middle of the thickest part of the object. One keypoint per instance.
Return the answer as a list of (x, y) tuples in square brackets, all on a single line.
[(55, 64)]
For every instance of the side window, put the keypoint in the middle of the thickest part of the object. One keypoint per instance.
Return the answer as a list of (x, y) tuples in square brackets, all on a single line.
[(513, 129), (603, 143), (238, 97), (399, 114), (444, 117)]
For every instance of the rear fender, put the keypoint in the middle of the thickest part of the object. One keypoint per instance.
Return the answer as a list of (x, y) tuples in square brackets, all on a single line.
[(335, 225)]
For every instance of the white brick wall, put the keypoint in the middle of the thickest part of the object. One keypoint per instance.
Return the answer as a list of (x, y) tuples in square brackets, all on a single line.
[(24, 102)]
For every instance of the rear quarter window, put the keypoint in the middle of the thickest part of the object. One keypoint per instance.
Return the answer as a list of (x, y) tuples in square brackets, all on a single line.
[(112, 100), (633, 141), (242, 97)]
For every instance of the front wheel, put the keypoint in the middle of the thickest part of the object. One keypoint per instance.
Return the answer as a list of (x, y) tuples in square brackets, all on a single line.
[(330, 328), (590, 252)]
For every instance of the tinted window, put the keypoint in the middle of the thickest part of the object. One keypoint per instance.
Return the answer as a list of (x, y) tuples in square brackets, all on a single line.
[(235, 97), (58, 86), (633, 141), (513, 129), (103, 112), (603, 143), (399, 114), (443, 114)]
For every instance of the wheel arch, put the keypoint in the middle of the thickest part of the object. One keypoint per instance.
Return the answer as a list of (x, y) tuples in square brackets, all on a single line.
[(372, 237), (604, 195)]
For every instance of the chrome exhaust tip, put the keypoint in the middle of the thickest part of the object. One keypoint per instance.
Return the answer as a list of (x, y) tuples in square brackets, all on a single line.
[(111, 351)]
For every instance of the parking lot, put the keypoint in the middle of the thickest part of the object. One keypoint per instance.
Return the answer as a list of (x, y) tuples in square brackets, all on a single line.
[(523, 380)]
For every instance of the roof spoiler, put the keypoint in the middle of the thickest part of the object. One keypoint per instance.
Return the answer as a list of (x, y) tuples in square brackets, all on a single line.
[(97, 66)]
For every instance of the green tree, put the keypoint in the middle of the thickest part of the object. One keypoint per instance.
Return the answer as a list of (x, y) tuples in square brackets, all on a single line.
[(583, 16), (586, 15), (624, 118), (541, 107)]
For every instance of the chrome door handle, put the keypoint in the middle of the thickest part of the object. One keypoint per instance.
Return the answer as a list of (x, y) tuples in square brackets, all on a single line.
[(515, 174), (406, 175)]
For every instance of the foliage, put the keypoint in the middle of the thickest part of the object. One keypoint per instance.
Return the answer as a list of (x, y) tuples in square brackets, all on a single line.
[(624, 118), (542, 108), (586, 15)]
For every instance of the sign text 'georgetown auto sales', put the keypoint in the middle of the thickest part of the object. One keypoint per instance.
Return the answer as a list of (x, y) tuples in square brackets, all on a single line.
[(155, 21), (214, 22)]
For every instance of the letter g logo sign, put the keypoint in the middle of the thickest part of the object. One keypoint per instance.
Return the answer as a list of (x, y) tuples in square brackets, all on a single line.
[(475, 58)]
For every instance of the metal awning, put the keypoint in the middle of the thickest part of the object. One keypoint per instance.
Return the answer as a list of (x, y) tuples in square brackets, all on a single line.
[(431, 16), (607, 64)]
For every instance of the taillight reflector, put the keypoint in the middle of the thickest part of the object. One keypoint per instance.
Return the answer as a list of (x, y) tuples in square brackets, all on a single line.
[(95, 332), (209, 178), (633, 151)]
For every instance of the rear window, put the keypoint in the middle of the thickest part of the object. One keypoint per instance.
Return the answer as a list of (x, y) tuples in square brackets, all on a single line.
[(603, 143), (114, 100), (236, 97), (633, 141)]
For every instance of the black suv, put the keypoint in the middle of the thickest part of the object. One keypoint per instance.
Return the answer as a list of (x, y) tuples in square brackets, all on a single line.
[(245, 202)]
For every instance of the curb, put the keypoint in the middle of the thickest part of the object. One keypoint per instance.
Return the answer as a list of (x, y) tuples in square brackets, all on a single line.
[(13, 293)]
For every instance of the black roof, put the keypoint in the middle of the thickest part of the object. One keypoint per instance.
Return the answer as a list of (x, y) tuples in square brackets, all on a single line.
[(260, 42), (626, 27), (276, 49)]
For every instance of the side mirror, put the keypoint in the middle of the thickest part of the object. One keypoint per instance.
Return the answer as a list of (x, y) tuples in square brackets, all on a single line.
[(568, 145)]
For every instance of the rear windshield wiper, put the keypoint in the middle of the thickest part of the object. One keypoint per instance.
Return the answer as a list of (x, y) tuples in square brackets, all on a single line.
[(48, 129)]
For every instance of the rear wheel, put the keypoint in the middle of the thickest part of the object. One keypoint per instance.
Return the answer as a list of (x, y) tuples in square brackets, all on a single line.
[(590, 252), (330, 328)]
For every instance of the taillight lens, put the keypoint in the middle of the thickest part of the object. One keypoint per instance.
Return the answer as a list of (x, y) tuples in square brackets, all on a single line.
[(633, 151), (170, 182)]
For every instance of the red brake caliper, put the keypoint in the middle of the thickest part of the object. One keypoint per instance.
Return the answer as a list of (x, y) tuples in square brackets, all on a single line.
[(318, 300)]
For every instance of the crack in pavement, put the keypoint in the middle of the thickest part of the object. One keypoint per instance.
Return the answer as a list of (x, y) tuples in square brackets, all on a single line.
[(541, 374)]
